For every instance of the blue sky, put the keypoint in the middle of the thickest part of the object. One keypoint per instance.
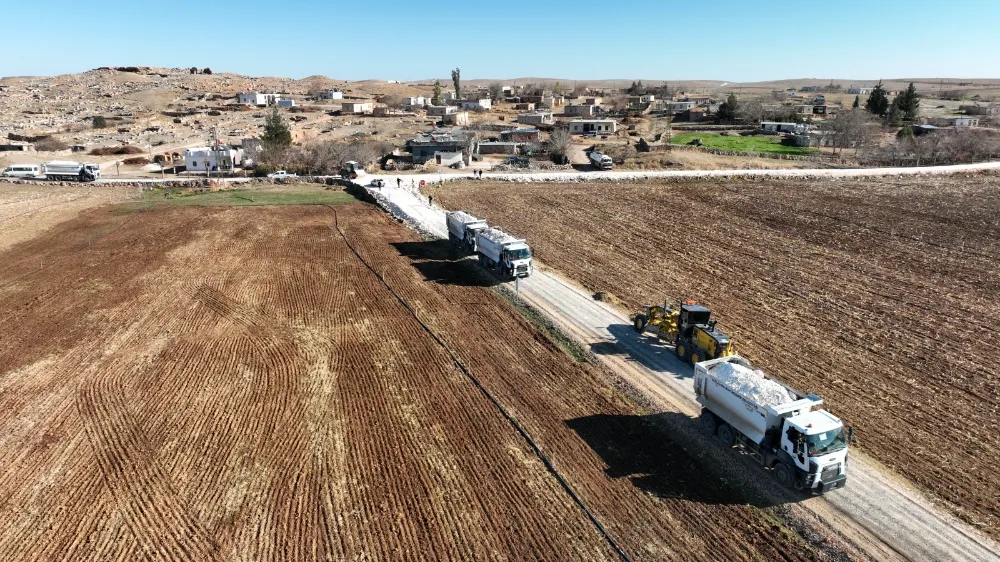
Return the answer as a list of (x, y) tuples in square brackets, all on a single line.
[(734, 40)]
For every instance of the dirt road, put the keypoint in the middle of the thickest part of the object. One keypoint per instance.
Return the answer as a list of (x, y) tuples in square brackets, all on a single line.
[(884, 515)]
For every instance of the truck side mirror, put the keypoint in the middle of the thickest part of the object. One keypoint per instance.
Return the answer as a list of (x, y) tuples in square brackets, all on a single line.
[(850, 434)]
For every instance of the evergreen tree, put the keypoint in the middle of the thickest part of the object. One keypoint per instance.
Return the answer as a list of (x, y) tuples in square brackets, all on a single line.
[(557, 89), (909, 102), (276, 131), (436, 98), (728, 109), (456, 79), (895, 113), (878, 101), (857, 102)]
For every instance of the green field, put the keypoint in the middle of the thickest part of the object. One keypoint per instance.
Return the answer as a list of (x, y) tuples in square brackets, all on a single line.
[(756, 143), (240, 198)]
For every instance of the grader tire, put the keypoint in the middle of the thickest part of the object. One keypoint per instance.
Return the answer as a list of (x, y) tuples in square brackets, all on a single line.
[(640, 323)]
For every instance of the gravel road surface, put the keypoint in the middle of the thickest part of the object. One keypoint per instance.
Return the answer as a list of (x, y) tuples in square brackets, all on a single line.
[(885, 516)]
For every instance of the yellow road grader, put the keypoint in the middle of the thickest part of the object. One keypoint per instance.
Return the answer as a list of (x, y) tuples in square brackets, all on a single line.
[(689, 327)]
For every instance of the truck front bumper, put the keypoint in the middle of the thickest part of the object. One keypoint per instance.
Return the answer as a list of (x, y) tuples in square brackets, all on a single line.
[(824, 487)]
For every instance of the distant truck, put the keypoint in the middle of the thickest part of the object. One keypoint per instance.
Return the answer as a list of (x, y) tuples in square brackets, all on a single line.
[(68, 170), (601, 161), (352, 170), (462, 230), (503, 253), (777, 425)]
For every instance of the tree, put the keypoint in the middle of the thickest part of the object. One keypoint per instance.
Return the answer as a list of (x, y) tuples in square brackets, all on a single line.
[(456, 79), (895, 114), (557, 89), (580, 90), (194, 70), (908, 102), (857, 102), (852, 128), (560, 142), (99, 122), (729, 109), (206, 70), (436, 99), (496, 91), (750, 111), (878, 101), (276, 131)]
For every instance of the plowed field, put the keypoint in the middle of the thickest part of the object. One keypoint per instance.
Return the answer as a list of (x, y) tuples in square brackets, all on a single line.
[(287, 383), (878, 294)]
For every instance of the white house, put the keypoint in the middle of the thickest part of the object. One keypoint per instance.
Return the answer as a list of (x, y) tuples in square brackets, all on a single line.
[(357, 107), (536, 118), (860, 91), (439, 110), (331, 94), (205, 159), (775, 127), (484, 103), (601, 126), (256, 98), (416, 101), (286, 103)]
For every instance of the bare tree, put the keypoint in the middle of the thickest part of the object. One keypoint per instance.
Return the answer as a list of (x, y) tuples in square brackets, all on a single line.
[(852, 128), (750, 111), (559, 144), (392, 101), (496, 91)]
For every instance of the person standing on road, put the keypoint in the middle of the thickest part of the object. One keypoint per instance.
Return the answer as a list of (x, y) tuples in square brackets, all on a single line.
[(399, 183), (430, 200)]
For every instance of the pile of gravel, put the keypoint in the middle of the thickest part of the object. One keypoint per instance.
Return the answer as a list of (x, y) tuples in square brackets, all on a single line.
[(498, 236), (751, 383)]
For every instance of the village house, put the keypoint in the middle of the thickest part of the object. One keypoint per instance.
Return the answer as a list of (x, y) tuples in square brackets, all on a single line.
[(456, 118), (331, 94), (581, 110), (285, 103), (593, 101), (990, 109), (439, 110), (414, 102), (599, 126), (484, 103), (204, 159), (425, 145), (859, 91), (521, 135), (536, 118), (256, 98), (776, 127), (526, 106), (357, 107)]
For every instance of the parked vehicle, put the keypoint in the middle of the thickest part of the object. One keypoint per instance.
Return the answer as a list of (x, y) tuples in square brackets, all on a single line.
[(68, 170), (780, 427), (462, 230), (280, 175), (352, 170), (377, 182), (21, 171), (601, 161), (507, 255)]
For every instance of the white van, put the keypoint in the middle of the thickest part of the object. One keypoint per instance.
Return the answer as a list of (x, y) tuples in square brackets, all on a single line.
[(21, 171)]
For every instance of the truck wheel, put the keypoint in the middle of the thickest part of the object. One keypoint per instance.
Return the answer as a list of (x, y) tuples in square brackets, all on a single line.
[(640, 322), (726, 437), (783, 475), (680, 351), (709, 421)]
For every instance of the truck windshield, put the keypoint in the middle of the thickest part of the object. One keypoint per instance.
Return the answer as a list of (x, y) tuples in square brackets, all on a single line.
[(521, 254), (823, 443)]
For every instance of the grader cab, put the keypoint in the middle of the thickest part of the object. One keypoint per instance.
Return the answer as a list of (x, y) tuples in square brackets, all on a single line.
[(689, 327)]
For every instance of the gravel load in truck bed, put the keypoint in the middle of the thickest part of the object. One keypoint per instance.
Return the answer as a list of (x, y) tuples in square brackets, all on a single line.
[(752, 384), (498, 236)]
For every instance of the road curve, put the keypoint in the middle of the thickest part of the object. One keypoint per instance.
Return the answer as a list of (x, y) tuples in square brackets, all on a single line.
[(883, 515)]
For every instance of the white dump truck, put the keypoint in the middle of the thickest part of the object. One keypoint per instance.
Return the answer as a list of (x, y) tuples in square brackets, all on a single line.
[(601, 161), (503, 253), (780, 427), (68, 170), (462, 230)]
